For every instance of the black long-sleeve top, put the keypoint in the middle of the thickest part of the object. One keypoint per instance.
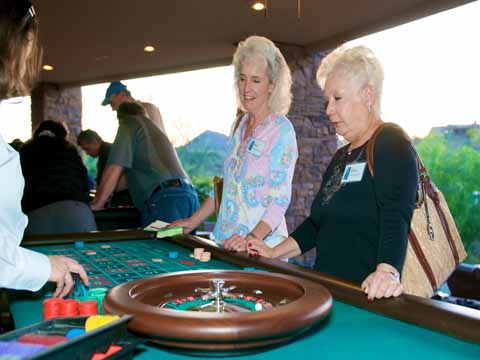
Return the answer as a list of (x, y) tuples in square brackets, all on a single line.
[(53, 171), (358, 225)]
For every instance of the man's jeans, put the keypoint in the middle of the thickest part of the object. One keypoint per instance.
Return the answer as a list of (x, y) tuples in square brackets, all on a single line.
[(170, 204)]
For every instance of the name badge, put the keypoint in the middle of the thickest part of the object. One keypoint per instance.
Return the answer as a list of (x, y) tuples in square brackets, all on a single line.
[(353, 172), (255, 147)]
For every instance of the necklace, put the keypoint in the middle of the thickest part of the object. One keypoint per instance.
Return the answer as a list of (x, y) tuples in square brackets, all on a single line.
[(339, 162)]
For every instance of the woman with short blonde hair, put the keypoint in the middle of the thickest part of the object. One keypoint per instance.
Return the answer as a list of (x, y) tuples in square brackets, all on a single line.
[(358, 221)]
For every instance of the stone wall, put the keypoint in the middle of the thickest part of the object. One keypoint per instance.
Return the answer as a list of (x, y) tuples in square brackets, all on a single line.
[(316, 137), (51, 102)]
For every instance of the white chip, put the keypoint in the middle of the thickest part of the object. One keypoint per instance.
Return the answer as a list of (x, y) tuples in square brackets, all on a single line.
[(91, 252), (105, 246), (197, 253), (205, 256), (258, 307), (157, 260)]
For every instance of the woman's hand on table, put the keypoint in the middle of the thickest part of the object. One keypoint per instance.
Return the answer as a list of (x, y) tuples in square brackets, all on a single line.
[(235, 243), (256, 247), (384, 282), (62, 267), (187, 225)]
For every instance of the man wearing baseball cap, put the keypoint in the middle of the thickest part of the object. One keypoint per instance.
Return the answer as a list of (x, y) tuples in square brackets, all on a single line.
[(154, 176), (117, 94)]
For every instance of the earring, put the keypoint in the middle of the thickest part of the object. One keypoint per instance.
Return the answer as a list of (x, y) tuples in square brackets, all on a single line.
[(369, 108)]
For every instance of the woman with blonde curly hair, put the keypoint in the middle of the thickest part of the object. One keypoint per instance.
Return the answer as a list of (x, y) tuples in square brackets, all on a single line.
[(262, 152), (358, 223)]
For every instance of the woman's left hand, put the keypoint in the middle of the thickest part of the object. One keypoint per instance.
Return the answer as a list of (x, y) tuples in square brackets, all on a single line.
[(235, 243), (384, 282)]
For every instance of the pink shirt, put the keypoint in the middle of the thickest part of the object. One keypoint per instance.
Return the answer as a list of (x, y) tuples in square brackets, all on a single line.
[(258, 176)]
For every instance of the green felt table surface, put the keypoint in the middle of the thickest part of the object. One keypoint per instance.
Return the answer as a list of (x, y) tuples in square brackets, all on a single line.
[(347, 333)]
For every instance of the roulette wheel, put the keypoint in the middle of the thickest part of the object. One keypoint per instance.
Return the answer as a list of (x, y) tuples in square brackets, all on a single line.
[(219, 310)]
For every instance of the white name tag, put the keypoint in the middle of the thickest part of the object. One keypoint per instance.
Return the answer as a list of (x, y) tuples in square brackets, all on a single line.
[(353, 172), (255, 147)]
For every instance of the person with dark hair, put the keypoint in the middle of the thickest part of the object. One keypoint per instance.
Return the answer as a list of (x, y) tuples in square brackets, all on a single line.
[(56, 183), (20, 55), (16, 144), (94, 146), (159, 186)]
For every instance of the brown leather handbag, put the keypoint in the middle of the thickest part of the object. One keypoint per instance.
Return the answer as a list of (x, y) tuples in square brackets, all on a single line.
[(434, 244)]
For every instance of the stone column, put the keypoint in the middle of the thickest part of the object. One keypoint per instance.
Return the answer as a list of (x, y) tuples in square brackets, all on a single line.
[(316, 138), (52, 102)]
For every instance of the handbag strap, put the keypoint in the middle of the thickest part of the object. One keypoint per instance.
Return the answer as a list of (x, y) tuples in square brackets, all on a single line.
[(426, 188)]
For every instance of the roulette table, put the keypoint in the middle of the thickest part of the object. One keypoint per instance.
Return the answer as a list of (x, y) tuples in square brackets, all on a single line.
[(352, 328)]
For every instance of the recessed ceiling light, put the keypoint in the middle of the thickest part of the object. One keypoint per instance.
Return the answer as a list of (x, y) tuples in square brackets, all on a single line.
[(149, 48), (48, 67), (258, 6)]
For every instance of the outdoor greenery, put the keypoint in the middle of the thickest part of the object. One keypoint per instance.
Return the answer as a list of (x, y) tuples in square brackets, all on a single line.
[(203, 185), (456, 173)]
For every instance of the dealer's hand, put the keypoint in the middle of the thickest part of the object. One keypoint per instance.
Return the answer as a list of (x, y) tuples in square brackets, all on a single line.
[(62, 266)]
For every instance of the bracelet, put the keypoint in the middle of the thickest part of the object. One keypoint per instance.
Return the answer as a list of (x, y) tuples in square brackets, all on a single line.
[(254, 236), (395, 275)]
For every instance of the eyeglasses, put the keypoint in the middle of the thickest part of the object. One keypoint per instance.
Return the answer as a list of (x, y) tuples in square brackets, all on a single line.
[(30, 14)]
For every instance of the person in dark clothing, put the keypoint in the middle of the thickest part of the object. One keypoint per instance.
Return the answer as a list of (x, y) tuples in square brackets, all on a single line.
[(16, 144), (92, 143), (56, 191), (358, 224)]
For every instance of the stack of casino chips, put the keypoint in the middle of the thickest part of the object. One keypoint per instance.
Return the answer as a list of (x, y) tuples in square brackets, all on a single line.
[(57, 307), (51, 308), (87, 308)]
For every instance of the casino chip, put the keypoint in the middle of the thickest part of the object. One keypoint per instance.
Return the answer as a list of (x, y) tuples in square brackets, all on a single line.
[(173, 254), (157, 260), (78, 244), (187, 262), (105, 246)]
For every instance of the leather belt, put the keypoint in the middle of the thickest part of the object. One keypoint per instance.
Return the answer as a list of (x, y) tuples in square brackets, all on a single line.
[(170, 183)]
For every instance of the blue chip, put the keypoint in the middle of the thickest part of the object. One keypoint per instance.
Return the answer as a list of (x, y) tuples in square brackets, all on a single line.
[(74, 333), (79, 244), (172, 254)]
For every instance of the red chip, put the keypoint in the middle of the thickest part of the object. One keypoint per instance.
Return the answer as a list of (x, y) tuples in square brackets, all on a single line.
[(51, 308), (48, 340), (88, 307), (187, 262), (69, 307)]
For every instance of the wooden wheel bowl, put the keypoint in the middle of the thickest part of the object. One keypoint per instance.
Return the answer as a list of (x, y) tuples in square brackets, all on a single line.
[(306, 304)]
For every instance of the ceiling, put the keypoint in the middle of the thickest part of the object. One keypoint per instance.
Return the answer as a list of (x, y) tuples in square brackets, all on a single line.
[(91, 41)]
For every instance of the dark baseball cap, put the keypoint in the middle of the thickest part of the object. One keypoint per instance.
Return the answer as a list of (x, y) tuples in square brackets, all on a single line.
[(114, 88)]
